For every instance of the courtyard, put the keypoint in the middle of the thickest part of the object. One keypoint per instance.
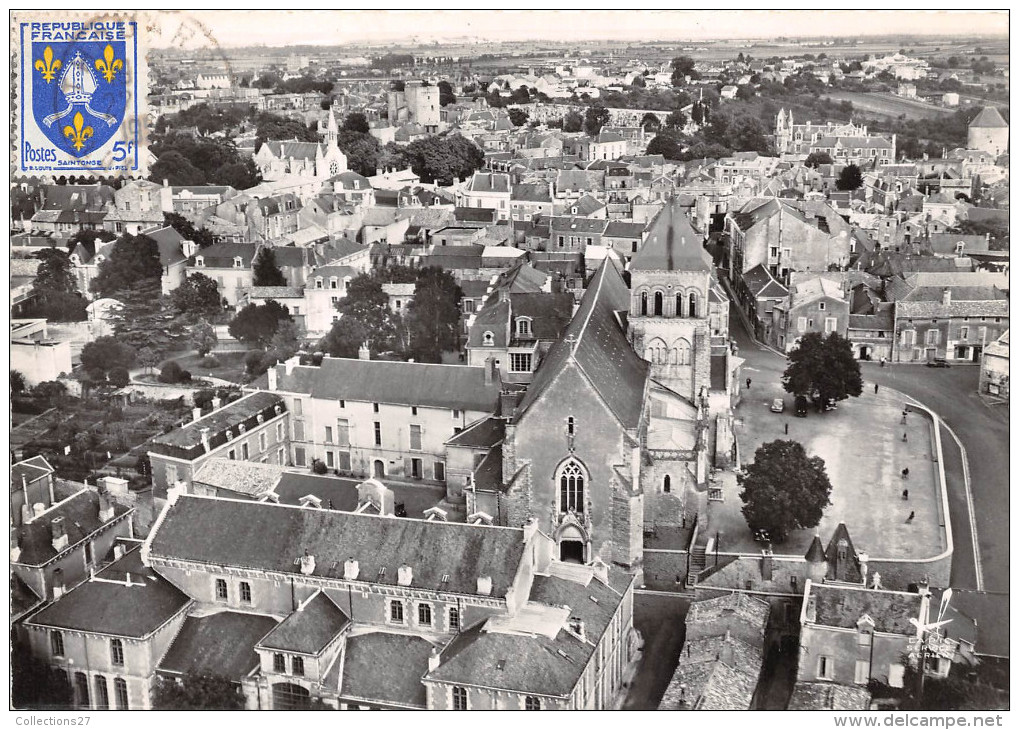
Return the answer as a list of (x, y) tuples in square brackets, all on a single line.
[(862, 445)]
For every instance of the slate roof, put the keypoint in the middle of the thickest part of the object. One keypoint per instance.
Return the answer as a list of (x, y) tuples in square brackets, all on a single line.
[(169, 243), (293, 149), (750, 610), (482, 434), (276, 292), (714, 673), (990, 117), (533, 663), (309, 629), (595, 343), (828, 696), (233, 533), (531, 192), (671, 245), (244, 410), (383, 668), (843, 606), (623, 229), (249, 478), (580, 180), (30, 470), (23, 598), (221, 643), (762, 284), (114, 608), (849, 571), (549, 313), (221, 255), (79, 510), (489, 182), (457, 387)]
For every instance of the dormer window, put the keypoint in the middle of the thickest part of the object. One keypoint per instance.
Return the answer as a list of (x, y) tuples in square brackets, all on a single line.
[(488, 339), (524, 327), (238, 262), (333, 284), (199, 261)]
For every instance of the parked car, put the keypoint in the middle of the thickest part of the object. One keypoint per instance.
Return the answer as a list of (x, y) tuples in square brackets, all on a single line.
[(938, 362), (801, 406), (777, 405)]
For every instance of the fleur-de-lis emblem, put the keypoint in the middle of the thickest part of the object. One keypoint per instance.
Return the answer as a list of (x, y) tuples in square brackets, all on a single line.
[(108, 65), (78, 134), (48, 65)]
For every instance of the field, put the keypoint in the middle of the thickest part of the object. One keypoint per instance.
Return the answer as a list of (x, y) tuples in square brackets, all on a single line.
[(889, 105)]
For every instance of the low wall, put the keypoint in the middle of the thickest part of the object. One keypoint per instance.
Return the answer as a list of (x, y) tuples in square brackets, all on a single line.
[(665, 570)]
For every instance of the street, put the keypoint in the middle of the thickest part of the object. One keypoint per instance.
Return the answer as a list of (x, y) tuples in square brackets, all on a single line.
[(982, 429)]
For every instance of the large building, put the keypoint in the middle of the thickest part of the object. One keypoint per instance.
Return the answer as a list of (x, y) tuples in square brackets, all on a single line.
[(276, 159), (988, 132), (416, 104)]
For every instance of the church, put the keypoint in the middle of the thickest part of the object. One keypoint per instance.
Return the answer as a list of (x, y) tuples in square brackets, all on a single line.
[(630, 409), (278, 158)]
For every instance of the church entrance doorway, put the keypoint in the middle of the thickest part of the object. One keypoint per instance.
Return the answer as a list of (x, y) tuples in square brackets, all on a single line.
[(571, 551)]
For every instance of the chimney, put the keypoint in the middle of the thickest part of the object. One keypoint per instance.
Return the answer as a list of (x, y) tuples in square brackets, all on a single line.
[(205, 439), (24, 488), (15, 544), (216, 402), (946, 296), (576, 626), (811, 609), (271, 374), (363, 353), (38, 508), (484, 585), (106, 512), (863, 558), (58, 583), (404, 575), (350, 569), (196, 413), (923, 587), (434, 659), (290, 363), (767, 559), (530, 529), (59, 534), (307, 564), (26, 514), (490, 370)]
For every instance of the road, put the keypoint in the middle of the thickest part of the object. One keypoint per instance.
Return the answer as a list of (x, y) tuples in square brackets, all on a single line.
[(982, 429)]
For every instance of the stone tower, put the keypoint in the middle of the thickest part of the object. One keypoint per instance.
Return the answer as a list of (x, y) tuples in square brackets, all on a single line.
[(988, 132), (668, 318), (784, 130)]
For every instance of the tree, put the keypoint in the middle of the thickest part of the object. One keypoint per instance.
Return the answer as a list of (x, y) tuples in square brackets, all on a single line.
[(34, 684), (683, 66), (433, 314), (257, 323), (176, 169), (697, 114), (197, 297), (816, 159), (198, 692), (784, 489), (119, 377), (446, 95), (998, 231), (850, 178), (440, 159), (362, 150), (639, 82), (145, 318), (519, 117), (676, 120), (285, 342), (666, 145), (596, 117), (573, 121), (651, 122), (823, 368), (106, 353), (55, 289), (265, 270), (365, 318), (90, 237), (356, 122), (201, 236), (203, 337), (131, 259), (18, 384), (269, 126)]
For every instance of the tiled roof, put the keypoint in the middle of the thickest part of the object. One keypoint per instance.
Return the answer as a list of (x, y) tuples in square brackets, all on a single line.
[(705, 680), (828, 696), (843, 606), (309, 629), (596, 343), (383, 668), (110, 606), (233, 533), (750, 610), (456, 387), (671, 245), (250, 478), (221, 643), (79, 515)]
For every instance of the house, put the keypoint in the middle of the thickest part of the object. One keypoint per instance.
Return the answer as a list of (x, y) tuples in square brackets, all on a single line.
[(327, 285), (31, 484), (728, 91), (352, 188), (814, 305), (572, 233), (859, 151), (229, 265), (489, 190), (251, 428), (277, 159), (136, 206), (380, 418), (400, 295), (529, 200), (624, 237), (275, 216), (605, 145), (66, 209), (192, 200), (994, 368)]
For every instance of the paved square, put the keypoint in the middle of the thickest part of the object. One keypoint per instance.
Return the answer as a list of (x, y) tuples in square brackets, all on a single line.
[(864, 454)]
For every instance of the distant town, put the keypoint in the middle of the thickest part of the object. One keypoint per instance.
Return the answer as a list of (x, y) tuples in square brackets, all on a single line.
[(523, 375)]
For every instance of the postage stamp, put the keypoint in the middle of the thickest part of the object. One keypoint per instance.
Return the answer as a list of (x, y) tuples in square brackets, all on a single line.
[(80, 94)]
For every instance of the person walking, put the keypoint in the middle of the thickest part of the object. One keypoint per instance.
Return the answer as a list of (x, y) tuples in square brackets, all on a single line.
[(875, 388), (787, 429), (748, 383), (904, 437), (905, 494), (882, 361), (911, 516)]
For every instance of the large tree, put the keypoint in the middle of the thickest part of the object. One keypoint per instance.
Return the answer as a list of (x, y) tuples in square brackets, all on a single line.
[(651, 122), (365, 318), (434, 314), (145, 318), (683, 66), (55, 289), (816, 159), (198, 692), (362, 150), (265, 271), (356, 122), (573, 121), (203, 337), (823, 368), (850, 178), (596, 117), (666, 145), (518, 117), (446, 95), (441, 159), (131, 259), (201, 236), (783, 489), (197, 297), (106, 353), (257, 323)]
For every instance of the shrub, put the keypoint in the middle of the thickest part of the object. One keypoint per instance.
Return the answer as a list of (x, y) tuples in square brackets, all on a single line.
[(173, 373), (318, 467), (210, 361), (253, 361), (119, 377), (203, 398)]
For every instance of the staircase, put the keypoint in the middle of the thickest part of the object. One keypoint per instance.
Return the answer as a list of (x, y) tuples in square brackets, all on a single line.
[(698, 560)]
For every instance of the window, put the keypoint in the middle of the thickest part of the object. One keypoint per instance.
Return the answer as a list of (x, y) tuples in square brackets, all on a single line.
[(117, 652), (824, 667), (102, 693), (643, 304), (659, 303), (571, 487), (692, 309), (232, 454), (244, 451), (679, 305), (120, 693), (57, 643), (667, 484), (488, 339), (281, 457), (439, 471), (424, 614), (907, 338), (864, 638), (415, 437), (520, 362), (801, 324), (830, 323), (933, 337), (964, 333), (532, 703), (344, 461), (896, 674), (329, 434), (81, 689), (342, 432), (454, 619), (299, 456), (456, 413), (279, 664), (820, 305), (221, 592), (571, 426), (279, 432), (330, 459), (375, 407), (862, 671), (297, 666), (298, 407), (459, 698), (793, 582), (413, 410), (299, 430), (683, 352), (523, 327), (378, 434), (416, 468), (245, 592), (396, 612), (263, 442)]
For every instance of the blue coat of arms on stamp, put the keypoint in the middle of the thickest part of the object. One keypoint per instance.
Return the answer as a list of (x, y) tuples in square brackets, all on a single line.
[(80, 97)]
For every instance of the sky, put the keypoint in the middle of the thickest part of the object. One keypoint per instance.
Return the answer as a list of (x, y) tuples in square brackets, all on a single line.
[(192, 29)]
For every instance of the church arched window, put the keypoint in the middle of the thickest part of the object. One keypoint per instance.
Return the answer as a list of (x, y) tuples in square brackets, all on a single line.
[(667, 484), (679, 305), (571, 487), (571, 426), (643, 304), (659, 303), (682, 352), (692, 309)]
